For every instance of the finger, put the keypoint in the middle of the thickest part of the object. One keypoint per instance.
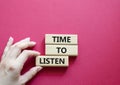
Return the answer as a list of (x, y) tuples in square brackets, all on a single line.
[(24, 56), (30, 74), (16, 49), (25, 45), (9, 44), (22, 41)]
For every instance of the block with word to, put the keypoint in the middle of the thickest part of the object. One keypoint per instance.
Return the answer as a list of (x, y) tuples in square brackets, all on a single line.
[(61, 39), (52, 61), (68, 50)]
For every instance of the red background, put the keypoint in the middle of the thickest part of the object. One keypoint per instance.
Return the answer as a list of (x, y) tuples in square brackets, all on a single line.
[(97, 23)]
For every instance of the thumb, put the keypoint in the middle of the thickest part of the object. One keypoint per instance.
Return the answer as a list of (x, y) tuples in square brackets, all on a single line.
[(30, 74)]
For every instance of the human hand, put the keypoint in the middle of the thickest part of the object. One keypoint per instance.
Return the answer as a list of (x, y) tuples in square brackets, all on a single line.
[(12, 61)]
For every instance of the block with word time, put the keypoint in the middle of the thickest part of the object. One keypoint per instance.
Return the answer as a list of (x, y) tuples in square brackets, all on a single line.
[(52, 61), (68, 50), (61, 39)]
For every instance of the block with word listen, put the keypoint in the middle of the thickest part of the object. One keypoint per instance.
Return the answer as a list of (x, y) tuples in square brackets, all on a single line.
[(61, 39), (52, 61), (68, 50)]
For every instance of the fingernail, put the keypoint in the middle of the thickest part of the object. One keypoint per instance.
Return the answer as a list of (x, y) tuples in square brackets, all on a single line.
[(10, 38), (37, 53), (39, 68), (33, 42), (28, 39)]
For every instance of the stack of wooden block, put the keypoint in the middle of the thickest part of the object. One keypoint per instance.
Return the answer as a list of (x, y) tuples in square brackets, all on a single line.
[(58, 49)]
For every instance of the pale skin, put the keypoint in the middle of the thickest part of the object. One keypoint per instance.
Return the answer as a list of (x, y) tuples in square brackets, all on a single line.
[(12, 61)]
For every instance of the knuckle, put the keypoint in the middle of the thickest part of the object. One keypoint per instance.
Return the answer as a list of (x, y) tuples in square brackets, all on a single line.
[(14, 47), (3, 65), (26, 52), (11, 68), (33, 74), (6, 49)]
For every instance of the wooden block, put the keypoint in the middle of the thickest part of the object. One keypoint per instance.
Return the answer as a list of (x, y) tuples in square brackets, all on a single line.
[(69, 50), (58, 39), (52, 61)]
